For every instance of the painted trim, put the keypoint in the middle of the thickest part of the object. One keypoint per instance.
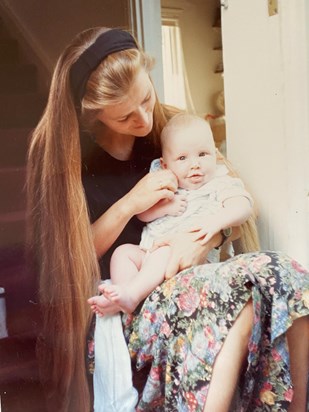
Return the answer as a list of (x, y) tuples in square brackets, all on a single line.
[(145, 22)]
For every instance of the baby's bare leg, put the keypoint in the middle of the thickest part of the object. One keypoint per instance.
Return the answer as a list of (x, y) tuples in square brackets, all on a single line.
[(125, 264), (130, 293), (229, 363)]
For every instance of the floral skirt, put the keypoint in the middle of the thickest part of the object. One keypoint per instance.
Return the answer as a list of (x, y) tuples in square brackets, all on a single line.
[(183, 324)]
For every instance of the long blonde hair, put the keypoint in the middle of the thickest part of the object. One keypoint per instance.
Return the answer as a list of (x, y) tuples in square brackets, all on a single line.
[(249, 238), (59, 230)]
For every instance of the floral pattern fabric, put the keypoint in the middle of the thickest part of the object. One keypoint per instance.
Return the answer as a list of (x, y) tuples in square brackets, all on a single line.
[(183, 324)]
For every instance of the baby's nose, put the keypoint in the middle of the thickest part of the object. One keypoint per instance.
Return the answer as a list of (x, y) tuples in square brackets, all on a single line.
[(195, 164)]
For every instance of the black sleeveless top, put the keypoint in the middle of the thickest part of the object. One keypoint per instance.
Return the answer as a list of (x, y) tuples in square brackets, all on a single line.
[(106, 180)]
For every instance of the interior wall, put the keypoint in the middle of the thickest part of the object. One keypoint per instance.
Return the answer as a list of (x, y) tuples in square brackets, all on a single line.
[(50, 24), (199, 38)]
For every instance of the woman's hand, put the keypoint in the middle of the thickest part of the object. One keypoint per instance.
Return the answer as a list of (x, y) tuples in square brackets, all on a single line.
[(205, 228), (185, 252), (150, 190)]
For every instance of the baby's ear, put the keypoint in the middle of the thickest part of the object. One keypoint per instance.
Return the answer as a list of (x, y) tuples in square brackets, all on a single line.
[(163, 165)]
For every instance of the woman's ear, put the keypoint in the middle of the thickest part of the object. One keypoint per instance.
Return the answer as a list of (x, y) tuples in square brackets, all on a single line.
[(163, 165)]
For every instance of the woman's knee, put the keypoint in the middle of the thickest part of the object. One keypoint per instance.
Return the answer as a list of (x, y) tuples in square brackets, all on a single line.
[(244, 322), (237, 340)]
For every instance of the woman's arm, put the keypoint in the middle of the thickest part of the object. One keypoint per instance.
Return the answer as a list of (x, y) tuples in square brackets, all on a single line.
[(148, 191)]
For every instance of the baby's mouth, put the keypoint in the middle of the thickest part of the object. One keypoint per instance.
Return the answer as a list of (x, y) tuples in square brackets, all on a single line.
[(195, 175)]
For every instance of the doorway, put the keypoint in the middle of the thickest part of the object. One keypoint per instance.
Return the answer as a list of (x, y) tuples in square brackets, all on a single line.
[(193, 66)]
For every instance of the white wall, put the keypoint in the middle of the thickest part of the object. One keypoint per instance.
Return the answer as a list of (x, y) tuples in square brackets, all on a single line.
[(295, 56), (266, 96)]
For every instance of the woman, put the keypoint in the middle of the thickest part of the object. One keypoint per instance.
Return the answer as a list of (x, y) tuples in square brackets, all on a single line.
[(87, 179)]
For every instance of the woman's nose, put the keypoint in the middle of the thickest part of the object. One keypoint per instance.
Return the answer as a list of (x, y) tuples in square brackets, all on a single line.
[(141, 117)]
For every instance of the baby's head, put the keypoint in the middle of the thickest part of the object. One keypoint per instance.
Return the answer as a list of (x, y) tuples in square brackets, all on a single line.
[(188, 149)]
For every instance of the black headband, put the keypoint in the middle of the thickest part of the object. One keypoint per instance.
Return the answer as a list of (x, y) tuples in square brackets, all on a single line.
[(109, 42)]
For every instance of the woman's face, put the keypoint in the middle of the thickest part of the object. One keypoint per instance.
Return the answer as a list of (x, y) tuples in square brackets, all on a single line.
[(134, 116)]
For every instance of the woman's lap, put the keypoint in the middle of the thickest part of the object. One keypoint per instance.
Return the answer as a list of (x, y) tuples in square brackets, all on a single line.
[(183, 324)]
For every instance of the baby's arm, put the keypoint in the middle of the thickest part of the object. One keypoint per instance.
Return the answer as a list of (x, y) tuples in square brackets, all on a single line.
[(174, 207), (234, 211)]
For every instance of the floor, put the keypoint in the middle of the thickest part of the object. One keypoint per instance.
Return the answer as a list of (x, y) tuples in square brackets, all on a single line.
[(22, 397), (26, 394), (20, 389)]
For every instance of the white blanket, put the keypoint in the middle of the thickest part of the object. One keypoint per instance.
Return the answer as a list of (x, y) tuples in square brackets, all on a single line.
[(112, 381)]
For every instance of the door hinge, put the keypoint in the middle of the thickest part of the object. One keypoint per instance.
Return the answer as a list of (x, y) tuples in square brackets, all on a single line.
[(224, 3)]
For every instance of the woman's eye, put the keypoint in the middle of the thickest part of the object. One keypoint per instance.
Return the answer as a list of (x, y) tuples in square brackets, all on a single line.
[(146, 100), (124, 119)]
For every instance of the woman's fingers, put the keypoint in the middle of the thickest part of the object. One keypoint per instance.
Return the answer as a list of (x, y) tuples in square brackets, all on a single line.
[(185, 252), (150, 190), (202, 234), (164, 179), (206, 238)]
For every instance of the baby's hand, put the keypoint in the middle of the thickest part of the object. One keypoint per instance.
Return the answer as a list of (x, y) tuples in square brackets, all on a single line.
[(177, 205)]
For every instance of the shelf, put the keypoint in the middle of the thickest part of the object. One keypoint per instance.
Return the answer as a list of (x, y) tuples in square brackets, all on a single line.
[(217, 22), (218, 40), (219, 68)]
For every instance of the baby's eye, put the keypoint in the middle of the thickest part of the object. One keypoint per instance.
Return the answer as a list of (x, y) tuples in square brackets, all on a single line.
[(202, 154), (182, 158)]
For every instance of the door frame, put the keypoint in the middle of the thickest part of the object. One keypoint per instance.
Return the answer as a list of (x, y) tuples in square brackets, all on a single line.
[(145, 22)]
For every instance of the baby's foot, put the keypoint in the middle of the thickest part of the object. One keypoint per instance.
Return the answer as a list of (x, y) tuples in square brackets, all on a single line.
[(120, 295), (102, 306)]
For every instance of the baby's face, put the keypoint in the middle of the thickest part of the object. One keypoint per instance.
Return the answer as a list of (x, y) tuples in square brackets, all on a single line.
[(190, 153)]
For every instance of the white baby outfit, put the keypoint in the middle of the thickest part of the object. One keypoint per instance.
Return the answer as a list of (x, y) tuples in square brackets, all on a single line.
[(205, 200)]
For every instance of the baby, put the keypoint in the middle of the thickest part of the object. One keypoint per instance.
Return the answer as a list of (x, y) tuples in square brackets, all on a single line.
[(207, 201)]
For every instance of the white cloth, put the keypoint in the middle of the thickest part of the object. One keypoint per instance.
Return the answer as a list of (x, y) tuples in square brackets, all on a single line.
[(207, 199), (112, 380)]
